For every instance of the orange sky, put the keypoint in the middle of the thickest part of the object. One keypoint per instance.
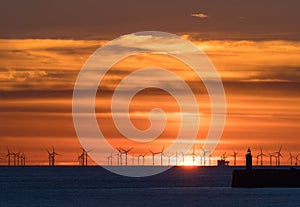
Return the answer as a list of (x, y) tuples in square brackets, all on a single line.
[(261, 80)]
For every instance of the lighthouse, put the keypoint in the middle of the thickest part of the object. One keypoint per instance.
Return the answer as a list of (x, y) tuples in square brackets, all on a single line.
[(248, 159)]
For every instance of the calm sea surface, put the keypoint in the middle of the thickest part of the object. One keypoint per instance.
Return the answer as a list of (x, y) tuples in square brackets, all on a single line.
[(94, 186)]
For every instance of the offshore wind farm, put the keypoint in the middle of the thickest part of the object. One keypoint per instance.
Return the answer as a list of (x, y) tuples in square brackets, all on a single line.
[(196, 156)]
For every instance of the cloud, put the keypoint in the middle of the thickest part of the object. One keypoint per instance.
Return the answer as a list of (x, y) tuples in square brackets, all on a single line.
[(199, 15)]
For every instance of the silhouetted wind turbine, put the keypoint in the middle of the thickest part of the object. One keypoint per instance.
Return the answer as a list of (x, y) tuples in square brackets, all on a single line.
[(118, 158), (169, 159), (277, 156), (270, 155), (132, 159), (296, 162), (234, 158), (15, 158), (200, 159), (257, 158), (261, 154), (126, 153), (161, 155), (8, 156), (120, 152), (291, 159), (84, 156), (143, 156), (209, 159), (156, 153), (182, 158), (51, 156), (224, 156), (23, 158), (18, 158), (109, 159), (193, 154), (204, 156), (138, 158), (81, 159)]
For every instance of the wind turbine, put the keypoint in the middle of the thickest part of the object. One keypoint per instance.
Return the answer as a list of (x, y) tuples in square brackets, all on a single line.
[(18, 158), (257, 158), (109, 159), (204, 155), (224, 156), (193, 154), (277, 156), (182, 158), (234, 158), (8, 156), (161, 155), (126, 152), (132, 159), (51, 156), (296, 162), (291, 159), (209, 159), (143, 156), (138, 159), (15, 157), (118, 158), (270, 155), (120, 152), (84, 156), (23, 158), (155, 153), (81, 160), (200, 159), (169, 159), (261, 156)]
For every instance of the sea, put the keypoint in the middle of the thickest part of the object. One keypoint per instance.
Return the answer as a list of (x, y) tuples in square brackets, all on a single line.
[(95, 186)]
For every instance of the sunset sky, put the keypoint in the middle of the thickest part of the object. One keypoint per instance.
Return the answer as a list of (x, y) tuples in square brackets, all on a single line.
[(254, 45)]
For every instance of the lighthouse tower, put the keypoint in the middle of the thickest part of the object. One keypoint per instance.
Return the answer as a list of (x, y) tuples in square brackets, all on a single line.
[(248, 159)]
